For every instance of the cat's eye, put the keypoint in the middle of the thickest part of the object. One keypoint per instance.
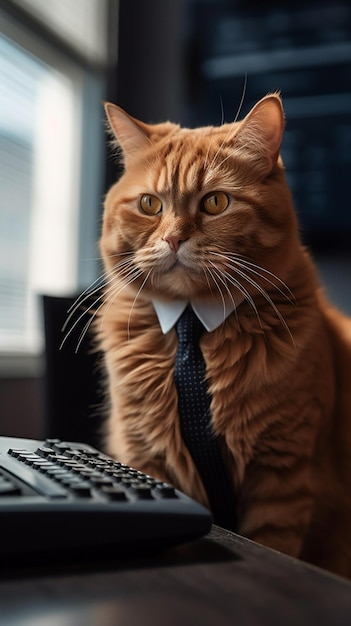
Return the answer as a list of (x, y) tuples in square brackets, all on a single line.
[(150, 204), (215, 203)]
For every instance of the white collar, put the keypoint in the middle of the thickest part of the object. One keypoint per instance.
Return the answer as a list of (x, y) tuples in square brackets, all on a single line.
[(211, 314)]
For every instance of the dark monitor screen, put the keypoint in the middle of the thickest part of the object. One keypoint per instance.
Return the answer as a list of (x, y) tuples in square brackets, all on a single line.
[(302, 49)]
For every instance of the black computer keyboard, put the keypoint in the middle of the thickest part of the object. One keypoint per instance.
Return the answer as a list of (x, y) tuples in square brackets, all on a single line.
[(60, 497)]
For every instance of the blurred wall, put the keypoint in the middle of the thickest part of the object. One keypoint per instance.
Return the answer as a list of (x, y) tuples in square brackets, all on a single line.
[(150, 74)]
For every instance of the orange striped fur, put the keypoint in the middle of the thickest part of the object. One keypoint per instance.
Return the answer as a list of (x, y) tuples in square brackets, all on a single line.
[(278, 368)]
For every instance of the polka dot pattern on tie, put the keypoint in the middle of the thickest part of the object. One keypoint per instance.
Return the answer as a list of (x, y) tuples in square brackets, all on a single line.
[(195, 419)]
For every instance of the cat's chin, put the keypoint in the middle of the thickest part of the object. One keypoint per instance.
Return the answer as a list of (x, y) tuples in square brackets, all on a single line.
[(186, 278), (179, 285), (179, 266)]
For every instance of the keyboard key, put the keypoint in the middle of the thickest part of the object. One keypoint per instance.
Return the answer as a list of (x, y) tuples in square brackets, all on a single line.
[(100, 480), (93, 474), (114, 493), (58, 473), (81, 489), (152, 482), (43, 463), (69, 481), (119, 473), (165, 491), (57, 458), (83, 458), (61, 446), (50, 442), (29, 460), (44, 451), (109, 471), (22, 456), (15, 451), (126, 480), (141, 491), (86, 472), (90, 453), (80, 467), (97, 464), (73, 454), (70, 463)]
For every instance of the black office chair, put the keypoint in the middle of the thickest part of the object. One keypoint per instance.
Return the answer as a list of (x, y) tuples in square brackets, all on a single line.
[(73, 381)]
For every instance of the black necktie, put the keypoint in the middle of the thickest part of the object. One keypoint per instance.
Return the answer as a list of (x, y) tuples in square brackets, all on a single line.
[(195, 419)]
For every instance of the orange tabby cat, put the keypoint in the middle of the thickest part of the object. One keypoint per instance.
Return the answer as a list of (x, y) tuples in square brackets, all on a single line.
[(206, 216)]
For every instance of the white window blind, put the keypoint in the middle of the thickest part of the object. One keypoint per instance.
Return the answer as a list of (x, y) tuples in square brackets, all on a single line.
[(39, 171), (51, 136)]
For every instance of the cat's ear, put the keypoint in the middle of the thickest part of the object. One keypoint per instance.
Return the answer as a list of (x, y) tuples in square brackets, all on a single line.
[(131, 135), (261, 132)]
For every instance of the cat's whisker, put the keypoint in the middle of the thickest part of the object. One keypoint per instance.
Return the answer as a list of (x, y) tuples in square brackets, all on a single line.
[(205, 270), (88, 293), (79, 318), (135, 299), (116, 254), (259, 271), (208, 150), (118, 289), (107, 256), (86, 327), (79, 302), (265, 295), (97, 284), (214, 169), (112, 278), (218, 167), (224, 282), (245, 293), (212, 273), (222, 110), (83, 297), (112, 293), (218, 152), (242, 99), (242, 290), (91, 289), (248, 262), (290, 297)]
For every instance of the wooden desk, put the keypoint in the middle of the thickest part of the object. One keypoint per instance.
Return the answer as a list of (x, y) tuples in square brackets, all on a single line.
[(219, 580)]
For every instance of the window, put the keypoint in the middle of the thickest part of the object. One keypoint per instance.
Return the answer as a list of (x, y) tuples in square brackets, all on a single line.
[(50, 169)]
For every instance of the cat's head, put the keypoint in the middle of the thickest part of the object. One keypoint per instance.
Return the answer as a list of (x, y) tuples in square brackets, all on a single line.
[(200, 213)]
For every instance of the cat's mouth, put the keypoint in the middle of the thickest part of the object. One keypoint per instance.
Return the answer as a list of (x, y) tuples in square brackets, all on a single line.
[(181, 260), (177, 263), (180, 265), (169, 264)]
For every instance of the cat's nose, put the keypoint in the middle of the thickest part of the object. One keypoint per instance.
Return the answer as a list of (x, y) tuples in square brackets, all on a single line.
[(174, 242)]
